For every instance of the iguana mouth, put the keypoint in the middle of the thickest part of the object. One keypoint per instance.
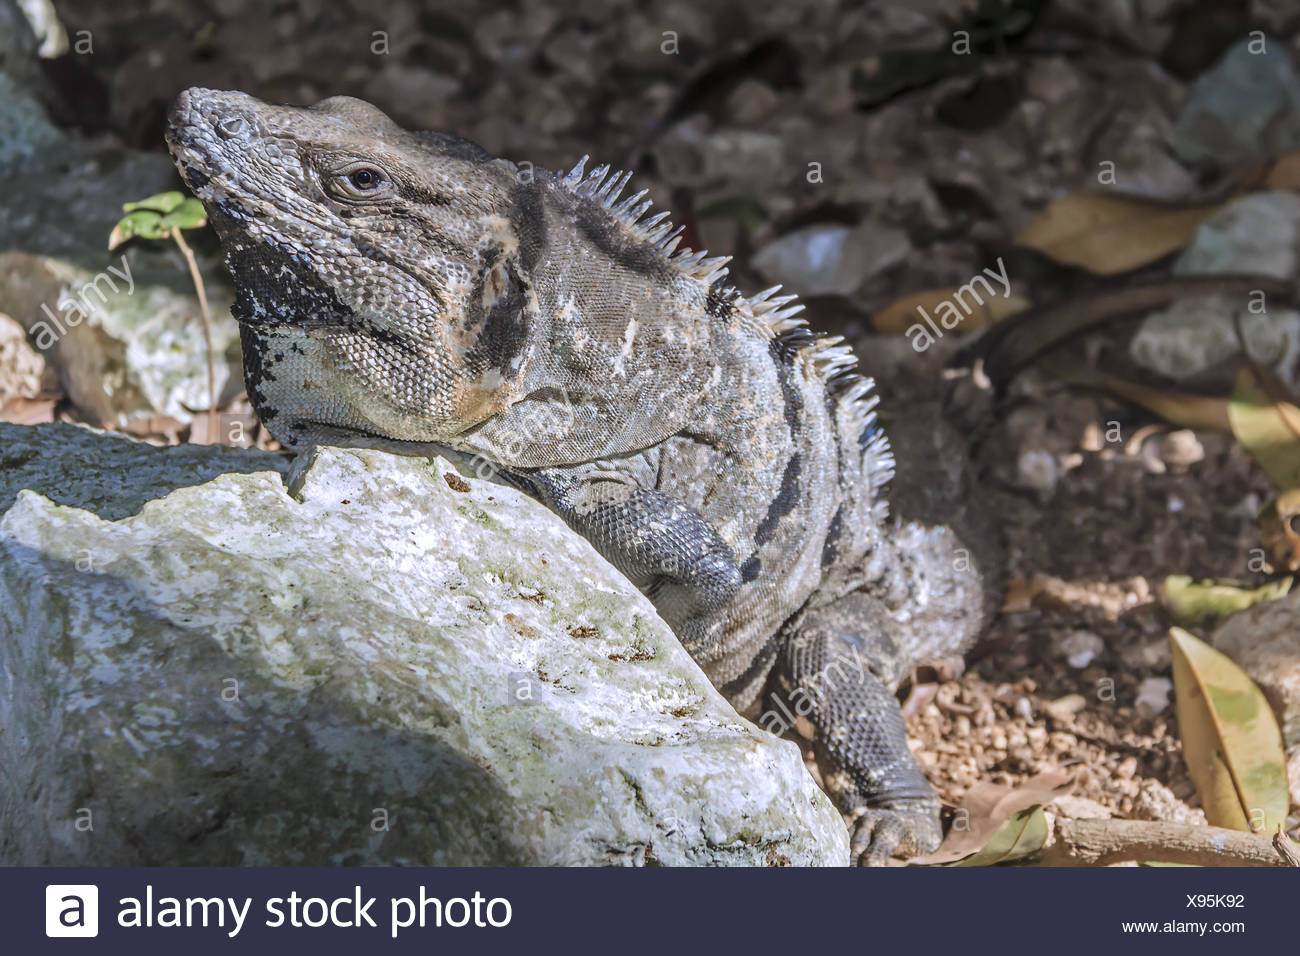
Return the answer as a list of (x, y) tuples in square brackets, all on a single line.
[(191, 139)]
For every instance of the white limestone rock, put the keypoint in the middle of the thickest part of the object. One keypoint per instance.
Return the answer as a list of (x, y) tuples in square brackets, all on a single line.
[(364, 666)]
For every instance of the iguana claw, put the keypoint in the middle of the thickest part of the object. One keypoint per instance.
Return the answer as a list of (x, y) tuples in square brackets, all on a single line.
[(906, 828)]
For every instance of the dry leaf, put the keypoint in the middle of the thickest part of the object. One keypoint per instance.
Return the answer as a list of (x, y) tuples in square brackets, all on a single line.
[(901, 314), (29, 411), (1231, 740), (985, 812), (1281, 172), (1108, 233), (1284, 173), (1019, 593), (1021, 836), (1180, 408)]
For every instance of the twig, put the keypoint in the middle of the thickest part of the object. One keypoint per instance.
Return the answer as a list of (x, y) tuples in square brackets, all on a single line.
[(197, 279), (1286, 848), (1102, 842)]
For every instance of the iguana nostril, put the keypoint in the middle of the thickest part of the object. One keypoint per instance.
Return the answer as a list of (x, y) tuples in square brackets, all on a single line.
[(231, 126)]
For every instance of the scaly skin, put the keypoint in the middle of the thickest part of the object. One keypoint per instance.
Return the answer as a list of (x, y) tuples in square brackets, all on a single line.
[(409, 287)]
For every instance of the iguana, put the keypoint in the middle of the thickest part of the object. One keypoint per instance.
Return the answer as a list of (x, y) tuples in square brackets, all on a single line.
[(410, 287)]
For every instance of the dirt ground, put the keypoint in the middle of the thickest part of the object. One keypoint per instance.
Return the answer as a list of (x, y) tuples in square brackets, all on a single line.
[(1097, 501)]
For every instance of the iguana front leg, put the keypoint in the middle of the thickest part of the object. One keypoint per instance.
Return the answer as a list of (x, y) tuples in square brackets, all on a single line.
[(836, 672), (661, 544)]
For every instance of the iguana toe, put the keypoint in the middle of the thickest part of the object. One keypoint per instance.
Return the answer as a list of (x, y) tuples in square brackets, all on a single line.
[(905, 828)]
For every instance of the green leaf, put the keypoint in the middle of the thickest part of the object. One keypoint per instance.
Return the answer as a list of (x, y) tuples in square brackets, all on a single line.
[(1021, 836), (1201, 603), (144, 223), (1268, 429), (188, 215), (162, 202), (1231, 740)]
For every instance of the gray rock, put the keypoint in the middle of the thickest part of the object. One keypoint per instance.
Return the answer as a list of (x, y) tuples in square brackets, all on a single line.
[(1258, 234), (25, 132), (124, 349), (366, 665), (1155, 801), (1245, 109), (19, 54), (1192, 335), (831, 260), (21, 367), (45, 25)]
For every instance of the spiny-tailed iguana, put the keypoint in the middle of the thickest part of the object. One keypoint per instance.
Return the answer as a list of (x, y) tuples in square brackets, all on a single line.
[(725, 457)]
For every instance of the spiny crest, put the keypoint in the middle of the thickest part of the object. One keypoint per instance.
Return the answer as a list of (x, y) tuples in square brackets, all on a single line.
[(601, 186), (829, 354)]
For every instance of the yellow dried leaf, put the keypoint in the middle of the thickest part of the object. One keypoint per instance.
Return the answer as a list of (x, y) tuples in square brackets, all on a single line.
[(1231, 740), (901, 314), (1109, 233), (1021, 836), (997, 823), (1185, 409)]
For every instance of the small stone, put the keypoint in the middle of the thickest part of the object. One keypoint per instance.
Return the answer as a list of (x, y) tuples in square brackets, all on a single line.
[(1153, 655), (1153, 694), (1081, 808), (1061, 743), (1157, 802), (21, 367), (1080, 648), (831, 259), (1064, 708), (1037, 469), (1194, 334)]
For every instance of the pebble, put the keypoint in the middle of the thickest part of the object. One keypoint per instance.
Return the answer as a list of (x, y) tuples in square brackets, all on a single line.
[(1080, 648), (1153, 693)]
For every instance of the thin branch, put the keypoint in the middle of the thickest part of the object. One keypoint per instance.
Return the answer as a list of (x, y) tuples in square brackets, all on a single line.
[(1286, 848), (197, 278), (1102, 842)]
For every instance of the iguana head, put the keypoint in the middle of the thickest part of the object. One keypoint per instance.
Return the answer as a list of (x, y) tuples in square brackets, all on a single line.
[(378, 277)]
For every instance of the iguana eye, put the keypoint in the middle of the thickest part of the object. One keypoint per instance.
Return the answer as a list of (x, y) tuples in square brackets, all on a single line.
[(361, 181)]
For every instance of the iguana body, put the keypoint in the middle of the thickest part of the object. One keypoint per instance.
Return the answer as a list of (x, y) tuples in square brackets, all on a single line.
[(408, 286)]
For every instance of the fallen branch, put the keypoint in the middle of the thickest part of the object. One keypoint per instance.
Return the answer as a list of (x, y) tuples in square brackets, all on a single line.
[(1102, 842), (1286, 848)]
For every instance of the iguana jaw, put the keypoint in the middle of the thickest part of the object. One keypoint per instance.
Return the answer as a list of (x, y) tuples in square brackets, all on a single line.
[(377, 309)]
